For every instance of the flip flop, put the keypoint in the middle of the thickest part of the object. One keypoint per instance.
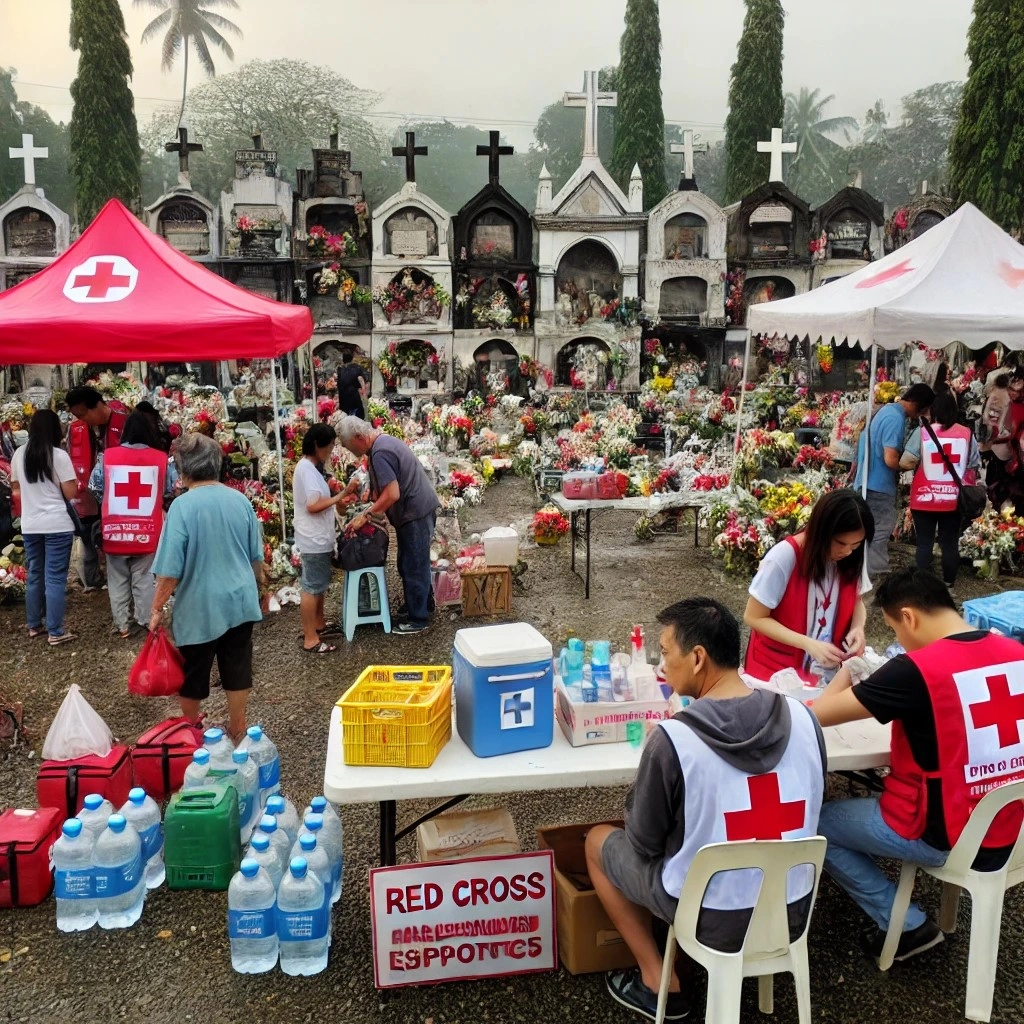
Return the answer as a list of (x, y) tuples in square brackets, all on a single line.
[(33, 633), (64, 638), (320, 648), (330, 628)]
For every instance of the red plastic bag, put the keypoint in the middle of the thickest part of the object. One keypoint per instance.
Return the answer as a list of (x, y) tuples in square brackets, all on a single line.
[(159, 670)]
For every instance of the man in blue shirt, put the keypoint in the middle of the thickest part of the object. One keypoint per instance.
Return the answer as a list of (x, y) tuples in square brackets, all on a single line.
[(885, 434)]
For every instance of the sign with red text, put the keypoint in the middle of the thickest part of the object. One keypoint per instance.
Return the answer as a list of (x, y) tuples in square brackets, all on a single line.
[(460, 919)]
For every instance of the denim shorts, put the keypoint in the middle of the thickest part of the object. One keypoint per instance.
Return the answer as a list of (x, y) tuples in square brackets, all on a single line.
[(316, 573)]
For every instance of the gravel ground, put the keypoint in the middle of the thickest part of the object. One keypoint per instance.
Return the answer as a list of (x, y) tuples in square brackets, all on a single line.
[(174, 965)]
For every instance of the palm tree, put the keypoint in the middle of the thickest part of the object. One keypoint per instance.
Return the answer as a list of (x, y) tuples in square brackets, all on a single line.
[(816, 152), (185, 21)]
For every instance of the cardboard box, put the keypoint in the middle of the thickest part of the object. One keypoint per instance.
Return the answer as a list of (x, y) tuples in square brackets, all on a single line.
[(483, 833), (603, 722), (587, 940)]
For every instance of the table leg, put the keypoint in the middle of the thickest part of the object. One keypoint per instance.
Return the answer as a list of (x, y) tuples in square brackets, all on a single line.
[(388, 813), (696, 527), (586, 585), (574, 529)]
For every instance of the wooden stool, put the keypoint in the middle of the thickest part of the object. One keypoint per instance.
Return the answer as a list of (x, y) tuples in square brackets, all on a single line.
[(487, 591), (350, 616)]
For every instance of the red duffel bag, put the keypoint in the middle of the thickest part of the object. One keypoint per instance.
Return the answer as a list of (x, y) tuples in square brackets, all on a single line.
[(159, 669), (65, 784), (162, 754), (26, 838)]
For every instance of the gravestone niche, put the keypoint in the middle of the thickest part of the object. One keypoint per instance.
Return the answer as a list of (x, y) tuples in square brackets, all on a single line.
[(492, 356), (185, 226), (332, 218), (686, 238), (849, 235), (767, 289), (587, 279), (492, 236), (412, 299), (771, 232), (410, 233), (683, 297), (29, 232), (492, 301), (583, 356)]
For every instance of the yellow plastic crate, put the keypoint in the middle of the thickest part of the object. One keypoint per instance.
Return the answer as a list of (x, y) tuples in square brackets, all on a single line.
[(397, 716)]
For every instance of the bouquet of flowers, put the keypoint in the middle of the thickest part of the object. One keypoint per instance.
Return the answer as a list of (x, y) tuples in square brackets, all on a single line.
[(776, 348), (886, 391), (549, 524), (248, 226), (741, 539), (531, 370), (495, 313), (786, 507), (124, 387), (421, 299), (992, 540), (825, 357), (321, 243), (809, 457)]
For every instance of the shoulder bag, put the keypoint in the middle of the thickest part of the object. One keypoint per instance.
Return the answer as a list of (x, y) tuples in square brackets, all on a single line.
[(972, 498)]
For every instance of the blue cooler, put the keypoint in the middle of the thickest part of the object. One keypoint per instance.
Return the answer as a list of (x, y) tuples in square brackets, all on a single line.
[(504, 689), (1004, 612)]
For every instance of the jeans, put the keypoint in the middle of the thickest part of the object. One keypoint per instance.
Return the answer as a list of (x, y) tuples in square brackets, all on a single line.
[(130, 577), (948, 526), (856, 834), (48, 555), (414, 565), (883, 508)]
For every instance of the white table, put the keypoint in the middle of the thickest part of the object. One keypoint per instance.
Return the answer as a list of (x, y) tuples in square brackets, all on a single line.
[(457, 771)]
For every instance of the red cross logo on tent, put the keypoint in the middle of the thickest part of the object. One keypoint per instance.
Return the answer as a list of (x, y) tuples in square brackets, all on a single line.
[(894, 272), (768, 817), (133, 490), (101, 279), (1003, 709), (1012, 276)]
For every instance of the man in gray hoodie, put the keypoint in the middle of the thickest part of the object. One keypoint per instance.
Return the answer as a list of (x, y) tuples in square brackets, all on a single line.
[(737, 764)]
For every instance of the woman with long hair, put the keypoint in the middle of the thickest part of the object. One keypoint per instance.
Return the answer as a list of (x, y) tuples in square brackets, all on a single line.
[(805, 610), (44, 478)]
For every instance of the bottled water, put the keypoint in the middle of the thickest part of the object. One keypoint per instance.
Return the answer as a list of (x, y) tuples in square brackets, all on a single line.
[(302, 914), (93, 816), (319, 864), (197, 773), (144, 813), (220, 750), (266, 856), (262, 750), (326, 826), (287, 817), (252, 927), (120, 881), (247, 781), (72, 879), (279, 841)]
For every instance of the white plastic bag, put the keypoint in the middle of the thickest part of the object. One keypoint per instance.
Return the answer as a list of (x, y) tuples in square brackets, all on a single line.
[(77, 730)]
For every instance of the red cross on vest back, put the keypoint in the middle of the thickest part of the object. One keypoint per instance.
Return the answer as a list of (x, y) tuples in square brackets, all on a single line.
[(936, 457), (101, 281), (1003, 709), (768, 817), (134, 490)]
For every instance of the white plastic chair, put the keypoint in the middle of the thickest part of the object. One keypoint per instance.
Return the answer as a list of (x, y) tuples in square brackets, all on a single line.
[(987, 889), (767, 949)]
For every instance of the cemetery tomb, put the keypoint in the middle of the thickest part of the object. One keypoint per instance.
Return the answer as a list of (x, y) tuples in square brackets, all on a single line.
[(495, 356), (410, 233), (686, 237), (29, 232), (849, 236), (587, 280), (767, 289), (582, 359), (185, 226), (683, 297)]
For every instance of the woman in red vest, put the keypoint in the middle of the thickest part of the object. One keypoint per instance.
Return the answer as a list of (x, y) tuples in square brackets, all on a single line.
[(934, 492), (805, 610)]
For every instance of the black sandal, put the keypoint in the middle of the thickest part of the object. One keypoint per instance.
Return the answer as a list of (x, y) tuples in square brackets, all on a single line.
[(320, 648)]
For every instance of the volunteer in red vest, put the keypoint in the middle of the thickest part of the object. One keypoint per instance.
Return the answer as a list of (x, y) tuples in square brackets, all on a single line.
[(96, 426), (934, 493), (956, 703), (738, 764), (130, 483), (805, 610)]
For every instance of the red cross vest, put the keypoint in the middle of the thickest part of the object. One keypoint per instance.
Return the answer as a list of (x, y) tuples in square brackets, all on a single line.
[(83, 458), (133, 508), (933, 488), (976, 688), (765, 656), (723, 803)]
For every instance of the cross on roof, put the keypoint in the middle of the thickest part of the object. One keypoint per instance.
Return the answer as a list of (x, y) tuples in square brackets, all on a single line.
[(410, 151), (590, 99), (776, 147), (494, 152), (183, 147), (28, 154), (257, 137), (687, 148)]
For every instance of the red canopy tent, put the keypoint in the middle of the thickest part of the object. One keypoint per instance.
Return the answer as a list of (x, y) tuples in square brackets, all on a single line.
[(122, 293)]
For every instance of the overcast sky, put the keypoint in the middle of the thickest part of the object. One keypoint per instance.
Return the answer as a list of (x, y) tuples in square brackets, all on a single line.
[(498, 64)]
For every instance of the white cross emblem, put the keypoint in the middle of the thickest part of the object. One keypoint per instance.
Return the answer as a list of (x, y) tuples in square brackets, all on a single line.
[(101, 279)]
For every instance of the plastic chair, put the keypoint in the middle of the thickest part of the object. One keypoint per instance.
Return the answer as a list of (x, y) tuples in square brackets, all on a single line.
[(350, 616), (767, 949), (987, 889)]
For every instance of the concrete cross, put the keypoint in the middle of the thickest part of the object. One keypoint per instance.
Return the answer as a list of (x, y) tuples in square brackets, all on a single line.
[(590, 98), (410, 151), (494, 152), (183, 147), (776, 148), (687, 149), (28, 154), (257, 137)]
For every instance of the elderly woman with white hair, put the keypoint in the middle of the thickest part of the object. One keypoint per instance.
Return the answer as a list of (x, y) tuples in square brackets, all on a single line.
[(211, 559)]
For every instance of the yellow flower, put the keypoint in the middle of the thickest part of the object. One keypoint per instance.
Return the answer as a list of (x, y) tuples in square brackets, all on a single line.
[(662, 384), (28, 409), (486, 469), (645, 488)]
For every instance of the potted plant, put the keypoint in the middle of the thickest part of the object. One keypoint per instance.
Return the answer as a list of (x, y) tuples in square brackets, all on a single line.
[(549, 525)]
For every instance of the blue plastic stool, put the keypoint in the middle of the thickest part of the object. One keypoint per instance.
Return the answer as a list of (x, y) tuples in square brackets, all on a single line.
[(350, 617), (1003, 611)]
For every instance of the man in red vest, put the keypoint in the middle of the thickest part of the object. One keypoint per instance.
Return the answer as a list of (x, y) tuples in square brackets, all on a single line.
[(956, 703), (96, 426)]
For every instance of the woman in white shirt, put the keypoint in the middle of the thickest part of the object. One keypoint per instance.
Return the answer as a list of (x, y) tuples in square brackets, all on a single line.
[(43, 478)]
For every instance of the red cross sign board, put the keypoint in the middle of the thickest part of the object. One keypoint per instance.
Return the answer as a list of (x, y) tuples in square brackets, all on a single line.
[(993, 704), (101, 279), (454, 920), (133, 490), (769, 816)]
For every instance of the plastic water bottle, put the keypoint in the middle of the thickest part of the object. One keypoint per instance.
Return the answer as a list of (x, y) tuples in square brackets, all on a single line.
[(72, 879), (279, 841), (262, 750), (197, 773), (252, 927), (220, 749), (120, 879), (318, 864), (93, 816), (287, 817), (247, 781), (144, 813), (266, 856), (302, 914), (327, 829)]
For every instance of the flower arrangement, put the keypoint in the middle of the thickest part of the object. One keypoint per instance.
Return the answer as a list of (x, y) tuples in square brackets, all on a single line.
[(964, 381), (662, 384), (450, 421), (124, 387), (13, 574), (735, 303), (495, 313), (414, 358), (382, 417), (248, 226), (334, 277), (825, 357), (321, 243), (809, 457), (410, 300), (886, 391), (786, 507), (741, 538), (618, 360), (776, 348), (548, 525), (992, 541), (764, 448), (530, 369)]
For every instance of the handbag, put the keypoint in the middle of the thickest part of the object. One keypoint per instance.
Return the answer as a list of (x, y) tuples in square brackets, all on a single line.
[(76, 521), (365, 549), (972, 498)]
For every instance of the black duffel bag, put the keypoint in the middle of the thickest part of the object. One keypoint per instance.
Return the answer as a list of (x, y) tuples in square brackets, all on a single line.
[(365, 549)]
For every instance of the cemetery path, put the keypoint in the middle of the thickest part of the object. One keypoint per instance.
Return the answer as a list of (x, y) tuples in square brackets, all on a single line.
[(174, 966)]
